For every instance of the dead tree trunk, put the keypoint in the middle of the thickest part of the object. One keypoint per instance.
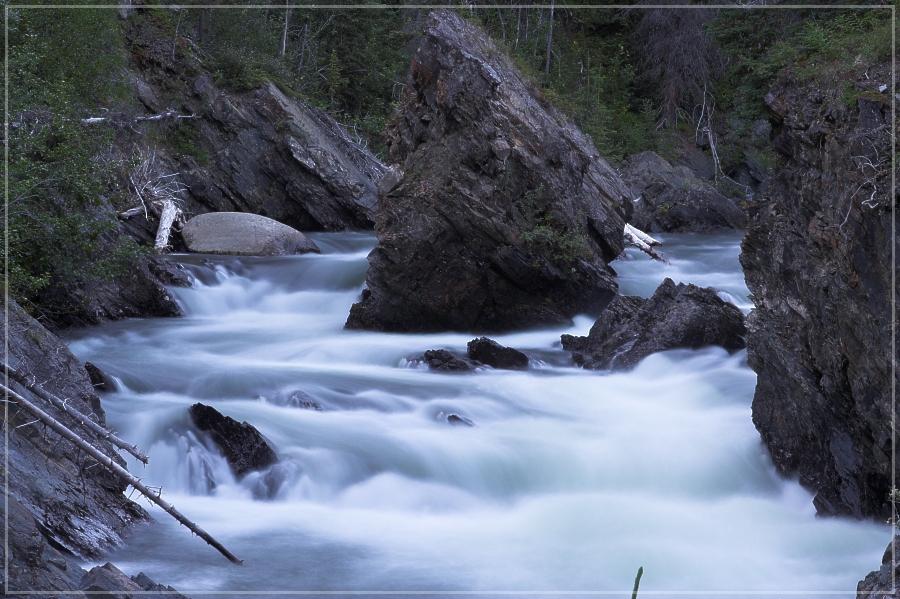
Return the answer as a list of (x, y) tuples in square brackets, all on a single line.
[(110, 465), (166, 219), (643, 242), (549, 37), (287, 24), (82, 419)]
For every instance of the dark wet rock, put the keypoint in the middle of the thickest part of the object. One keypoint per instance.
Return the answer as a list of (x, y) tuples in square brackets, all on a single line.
[(392, 177), (136, 293), (147, 583), (111, 582), (677, 316), (34, 564), (673, 199), (699, 163), (456, 420), (73, 507), (243, 234), (487, 351), (99, 379), (441, 359), (879, 584), (243, 446), (275, 156), (817, 260), (749, 173), (171, 273), (506, 217)]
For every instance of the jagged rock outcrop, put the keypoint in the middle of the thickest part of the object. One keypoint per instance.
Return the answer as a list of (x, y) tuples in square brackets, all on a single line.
[(673, 199), (242, 234), (73, 506), (111, 582), (817, 260), (275, 156), (243, 446), (676, 316), (879, 584), (487, 351), (506, 216)]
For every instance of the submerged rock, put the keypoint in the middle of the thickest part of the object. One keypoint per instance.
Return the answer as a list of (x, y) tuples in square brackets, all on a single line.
[(243, 234), (487, 351), (817, 260), (677, 316), (243, 446), (441, 359), (673, 199), (457, 420), (506, 216)]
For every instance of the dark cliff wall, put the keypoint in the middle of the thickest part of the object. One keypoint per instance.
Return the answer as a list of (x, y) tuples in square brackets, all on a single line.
[(817, 260)]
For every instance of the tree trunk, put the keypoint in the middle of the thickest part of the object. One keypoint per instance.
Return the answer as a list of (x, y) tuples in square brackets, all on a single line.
[(166, 219), (637, 238), (550, 37), (287, 23)]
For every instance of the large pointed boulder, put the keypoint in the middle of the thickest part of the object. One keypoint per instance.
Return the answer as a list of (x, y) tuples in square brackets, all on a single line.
[(506, 216)]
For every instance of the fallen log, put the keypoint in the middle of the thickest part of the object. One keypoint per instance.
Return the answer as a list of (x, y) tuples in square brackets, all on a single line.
[(110, 465), (634, 237), (641, 235), (82, 419)]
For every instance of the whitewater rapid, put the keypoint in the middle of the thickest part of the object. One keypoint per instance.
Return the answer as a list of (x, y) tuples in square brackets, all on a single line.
[(569, 480)]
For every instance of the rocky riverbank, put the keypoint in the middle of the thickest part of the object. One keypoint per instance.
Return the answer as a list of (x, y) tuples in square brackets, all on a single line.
[(73, 507)]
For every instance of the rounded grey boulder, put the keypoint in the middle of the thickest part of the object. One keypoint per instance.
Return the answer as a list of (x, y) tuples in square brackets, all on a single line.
[(243, 234)]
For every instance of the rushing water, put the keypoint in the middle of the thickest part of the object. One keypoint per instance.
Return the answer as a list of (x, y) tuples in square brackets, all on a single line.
[(568, 481)]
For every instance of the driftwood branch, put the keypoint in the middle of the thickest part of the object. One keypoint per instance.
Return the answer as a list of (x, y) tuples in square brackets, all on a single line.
[(169, 114), (110, 465), (82, 419), (643, 242)]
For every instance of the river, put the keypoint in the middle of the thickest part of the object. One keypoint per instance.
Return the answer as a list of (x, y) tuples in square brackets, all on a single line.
[(568, 481)]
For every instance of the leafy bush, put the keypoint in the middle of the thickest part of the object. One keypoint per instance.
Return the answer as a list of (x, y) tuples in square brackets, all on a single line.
[(65, 65)]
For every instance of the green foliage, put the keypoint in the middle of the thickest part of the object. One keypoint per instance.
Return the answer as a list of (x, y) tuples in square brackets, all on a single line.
[(546, 237), (811, 44), (65, 65), (593, 72), (350, 62)]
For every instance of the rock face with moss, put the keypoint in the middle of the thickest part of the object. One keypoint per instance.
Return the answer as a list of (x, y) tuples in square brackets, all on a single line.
[(506, 216), (817, 259)]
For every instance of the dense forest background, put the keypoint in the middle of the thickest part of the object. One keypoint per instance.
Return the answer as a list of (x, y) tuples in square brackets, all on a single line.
[(633, 79)]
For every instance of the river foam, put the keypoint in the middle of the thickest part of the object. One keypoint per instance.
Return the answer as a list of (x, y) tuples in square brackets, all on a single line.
[(568, 481)]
